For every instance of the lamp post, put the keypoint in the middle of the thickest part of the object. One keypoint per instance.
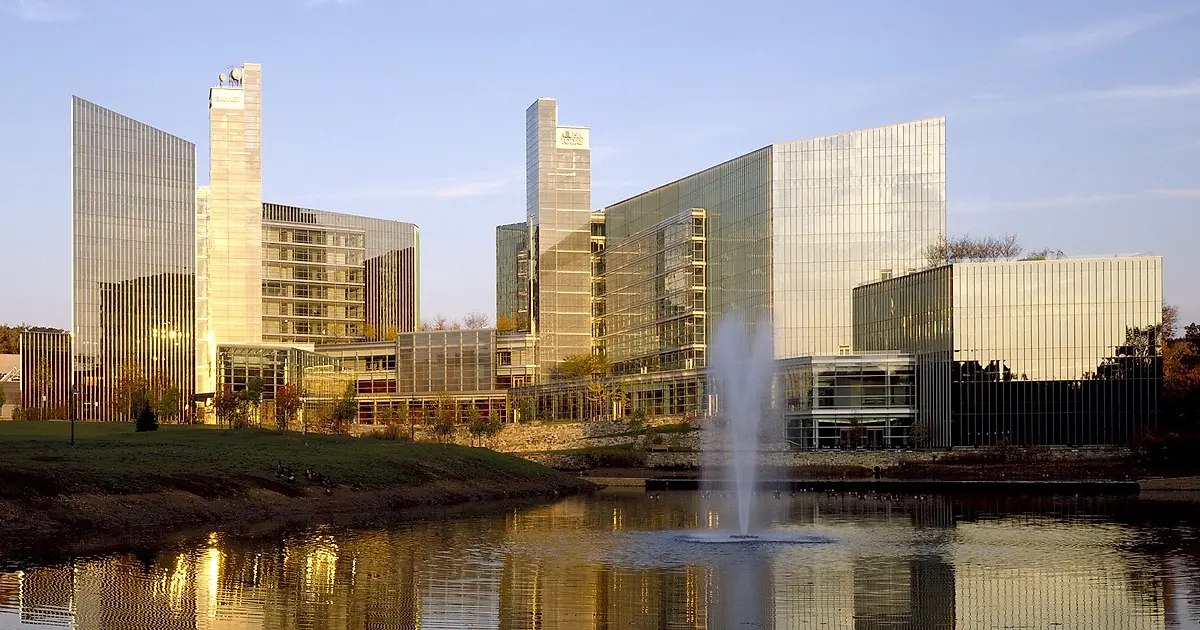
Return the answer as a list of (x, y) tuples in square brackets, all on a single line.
[(74, 394), (304, 398)]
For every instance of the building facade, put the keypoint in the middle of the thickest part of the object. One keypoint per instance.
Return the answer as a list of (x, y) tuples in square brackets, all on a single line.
[(133, 256), (1060, 352), (234, 219), (512, 277), (313, 283), (847, 401), (46, 369), (558, 207)]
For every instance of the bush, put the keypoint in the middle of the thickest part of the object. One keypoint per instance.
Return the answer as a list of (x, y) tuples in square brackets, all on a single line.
[(144, 417), (390, 432), (614, 458)]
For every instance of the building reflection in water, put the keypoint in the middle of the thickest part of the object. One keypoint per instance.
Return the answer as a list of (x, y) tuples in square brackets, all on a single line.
[(602, 562)]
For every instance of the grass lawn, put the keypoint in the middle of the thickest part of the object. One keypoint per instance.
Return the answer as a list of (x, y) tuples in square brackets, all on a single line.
[(36, 458)]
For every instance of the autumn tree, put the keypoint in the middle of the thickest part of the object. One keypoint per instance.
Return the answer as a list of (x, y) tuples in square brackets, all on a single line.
[(369, 332), (445, 417), (345, 411), (287, 405), (578, 367), (229, 408), (392, 333)]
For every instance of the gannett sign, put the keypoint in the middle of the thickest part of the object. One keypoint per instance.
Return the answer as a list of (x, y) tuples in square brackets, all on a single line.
[(226, 98), (572, 138)]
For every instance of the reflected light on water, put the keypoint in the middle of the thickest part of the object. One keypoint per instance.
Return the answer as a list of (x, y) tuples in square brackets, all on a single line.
[(620, 561)]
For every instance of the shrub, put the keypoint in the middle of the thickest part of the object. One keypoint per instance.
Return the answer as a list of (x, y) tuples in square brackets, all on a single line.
[(144, 417), (614, 458), (390, 432)]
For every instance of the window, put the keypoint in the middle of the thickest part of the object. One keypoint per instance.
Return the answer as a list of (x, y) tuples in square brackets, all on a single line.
[(505, 357)]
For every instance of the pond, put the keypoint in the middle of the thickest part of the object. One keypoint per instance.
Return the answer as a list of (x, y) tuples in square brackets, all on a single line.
[(631, 559)]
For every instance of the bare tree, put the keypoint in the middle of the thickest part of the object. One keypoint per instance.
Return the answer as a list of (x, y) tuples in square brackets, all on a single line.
[(1045, 254), (476, 320), (985, 249), (1170, 319)]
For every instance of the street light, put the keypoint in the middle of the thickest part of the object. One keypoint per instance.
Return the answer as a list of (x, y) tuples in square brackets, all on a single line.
[(74, 394), (304, 398)]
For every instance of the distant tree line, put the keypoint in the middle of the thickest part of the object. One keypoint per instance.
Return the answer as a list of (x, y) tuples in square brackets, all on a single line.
[(966, 248), (10, 336)]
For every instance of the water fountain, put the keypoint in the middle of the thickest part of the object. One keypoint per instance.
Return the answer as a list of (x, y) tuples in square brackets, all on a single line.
[(741, 368)]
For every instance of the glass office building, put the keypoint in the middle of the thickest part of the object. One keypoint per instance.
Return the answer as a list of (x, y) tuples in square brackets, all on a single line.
[(46, 373), (558, 205), (792, 228), (313, 285), (1062, 352), (847, 401), (512, 277), (653, 292), (134, 255), (389, 268)]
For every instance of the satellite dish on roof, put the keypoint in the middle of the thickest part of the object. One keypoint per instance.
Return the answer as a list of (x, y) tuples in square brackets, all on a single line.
[(236, 74), (221, 78)]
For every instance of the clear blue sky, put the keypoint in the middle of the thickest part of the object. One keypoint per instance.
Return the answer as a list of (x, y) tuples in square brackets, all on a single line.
[(1073, 124)]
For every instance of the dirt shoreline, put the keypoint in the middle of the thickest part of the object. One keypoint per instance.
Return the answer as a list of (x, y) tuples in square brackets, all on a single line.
[(33, 523)]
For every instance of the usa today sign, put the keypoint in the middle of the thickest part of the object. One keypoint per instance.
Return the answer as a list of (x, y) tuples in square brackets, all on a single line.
[(226, 98), (572, 138)]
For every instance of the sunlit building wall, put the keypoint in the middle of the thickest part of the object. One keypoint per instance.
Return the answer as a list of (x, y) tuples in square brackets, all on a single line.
[(235, 206), (1046, 352), (133, 196), (46, 372), (792, 228), (558, 183)]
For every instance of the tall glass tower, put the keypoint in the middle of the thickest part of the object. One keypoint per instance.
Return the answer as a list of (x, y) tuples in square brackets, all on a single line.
[(235, 207), (558, 193), (133, 197)]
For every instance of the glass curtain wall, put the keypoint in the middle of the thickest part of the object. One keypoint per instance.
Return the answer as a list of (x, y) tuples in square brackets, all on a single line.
[(134, 255), (445, 361), (847, 209), (558, 204), (655, 297), (512, 277)]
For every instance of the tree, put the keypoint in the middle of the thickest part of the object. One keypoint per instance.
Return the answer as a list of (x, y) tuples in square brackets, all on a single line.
[(345, 411), (168, 404), (1044, 254), (476, 320), (444, 418), (252, 396), (1170, 319), (504, 324), (524, 409), (228, 407), (369, 332), (287, 405), (130, 383), (476, 424), (578, 367), (43, 380), (966, 248), (391, 334), (144, 417)]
